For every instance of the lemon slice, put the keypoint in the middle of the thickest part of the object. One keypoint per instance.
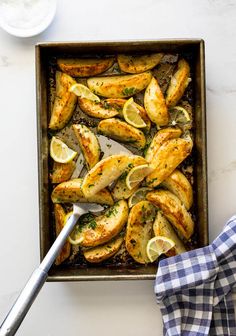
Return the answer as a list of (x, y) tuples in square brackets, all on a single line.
[(158, 245), (83, 91), (60, 152), (71, 240), (138, 195), (179, 115), (137, 175), (132, 115)]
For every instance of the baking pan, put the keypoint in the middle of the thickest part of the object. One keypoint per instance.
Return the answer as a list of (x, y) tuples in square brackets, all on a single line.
[(45, 54)]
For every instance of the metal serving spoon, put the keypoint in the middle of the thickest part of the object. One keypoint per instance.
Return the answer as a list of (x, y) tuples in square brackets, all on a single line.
[(26, 298)]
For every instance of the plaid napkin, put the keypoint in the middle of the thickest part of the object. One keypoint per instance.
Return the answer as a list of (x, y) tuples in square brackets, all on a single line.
[(194, 289)]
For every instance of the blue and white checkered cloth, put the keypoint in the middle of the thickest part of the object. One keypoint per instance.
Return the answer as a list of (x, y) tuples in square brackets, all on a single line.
[(194, 289)]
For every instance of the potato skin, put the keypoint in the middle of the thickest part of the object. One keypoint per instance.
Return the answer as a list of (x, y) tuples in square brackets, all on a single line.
[(62, 172), (103, 110), (162, 227), (169, 156), (107, 226), (59, 221), (178, 83), (120, 190), (84, 67), (179, 185), (88, 143), (121, 86), (64, 103), (173, 210), (122, 131), (137, 64), (139, 230), (71, 192), (159, 138), (103, 252), (155, 104), (103, 173)]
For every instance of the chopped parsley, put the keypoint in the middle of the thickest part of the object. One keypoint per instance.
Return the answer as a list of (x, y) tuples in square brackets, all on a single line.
[(111, 212), (91, 185), (129, 91), (87, 219)]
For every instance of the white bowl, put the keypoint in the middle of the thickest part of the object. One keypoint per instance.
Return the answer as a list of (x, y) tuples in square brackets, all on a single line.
[(20, 12)]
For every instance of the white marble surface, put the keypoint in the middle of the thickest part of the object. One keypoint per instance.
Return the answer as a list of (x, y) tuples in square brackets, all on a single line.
[(105, 308)]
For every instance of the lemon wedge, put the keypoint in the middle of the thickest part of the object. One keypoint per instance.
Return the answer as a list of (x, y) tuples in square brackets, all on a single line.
[(137, 175), (179, 115), (83, 91), (60, 152), (76, 241), (132, 115), (138, 195), (158, 245)]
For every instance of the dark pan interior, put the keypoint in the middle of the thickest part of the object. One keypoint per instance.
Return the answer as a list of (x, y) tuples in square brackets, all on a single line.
[(44, 54)]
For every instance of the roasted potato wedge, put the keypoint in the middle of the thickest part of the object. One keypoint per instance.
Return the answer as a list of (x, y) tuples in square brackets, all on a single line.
[(122, 131), (137, 64), (71, 192), (84, 67), (162, 227), (59, 221), (173, 210), (119, 86), (120, 190), (178, 83), (88, 143), (104, 173), (104, 252), (106, 226), (62, 172), (179, 185), (155, 104), (139, 230), (169, 156), (107, 108), (158, 140), (64, 103)]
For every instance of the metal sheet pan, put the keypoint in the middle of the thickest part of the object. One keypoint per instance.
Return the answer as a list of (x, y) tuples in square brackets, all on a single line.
[(45, 52)]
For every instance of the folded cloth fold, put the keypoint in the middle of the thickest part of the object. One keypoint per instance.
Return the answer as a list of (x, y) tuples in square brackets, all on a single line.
[(194, 289)]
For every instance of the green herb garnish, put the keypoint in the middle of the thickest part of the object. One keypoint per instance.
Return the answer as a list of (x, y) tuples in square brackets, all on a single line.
[(129, 91)]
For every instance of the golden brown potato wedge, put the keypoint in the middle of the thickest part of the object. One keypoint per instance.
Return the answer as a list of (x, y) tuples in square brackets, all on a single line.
[(119, 86), (178, 83), (107, 108), (88, 143), (105, 227), (84, 67), (104, 252), (155, 104), (169, 156), (137, 64), (162, 227), (64, 103), (122, 131), (179, 185), (173, 210), (62, 172), (59, 221), (120, 190), (139, 230), (71, 192), (104, 173), (158, 140)]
